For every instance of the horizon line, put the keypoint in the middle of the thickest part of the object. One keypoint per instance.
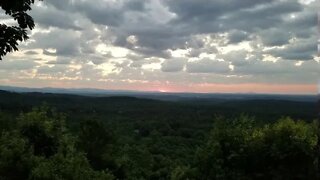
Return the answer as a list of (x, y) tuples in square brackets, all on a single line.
[(154, 91)]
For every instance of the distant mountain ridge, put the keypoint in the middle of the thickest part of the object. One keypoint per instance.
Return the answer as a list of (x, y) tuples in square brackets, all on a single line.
[(168, 96)]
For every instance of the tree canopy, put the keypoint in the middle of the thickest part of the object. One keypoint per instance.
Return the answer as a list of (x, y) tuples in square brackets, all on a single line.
[(81, 137), (40, 147), (11, 35)]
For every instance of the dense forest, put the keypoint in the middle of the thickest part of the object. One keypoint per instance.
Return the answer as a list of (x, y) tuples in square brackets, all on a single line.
[(57, 136)]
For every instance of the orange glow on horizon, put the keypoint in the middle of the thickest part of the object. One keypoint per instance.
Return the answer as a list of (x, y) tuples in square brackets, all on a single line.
[(243, 88), (192, 88), (260, 88)]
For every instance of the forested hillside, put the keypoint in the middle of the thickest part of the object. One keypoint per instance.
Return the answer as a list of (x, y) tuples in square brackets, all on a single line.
[(50, 136)]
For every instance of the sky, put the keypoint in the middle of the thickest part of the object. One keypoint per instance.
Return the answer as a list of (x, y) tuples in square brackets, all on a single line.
[(229, 46)]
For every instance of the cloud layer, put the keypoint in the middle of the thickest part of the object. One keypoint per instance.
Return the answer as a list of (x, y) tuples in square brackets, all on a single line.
[(124, 44)]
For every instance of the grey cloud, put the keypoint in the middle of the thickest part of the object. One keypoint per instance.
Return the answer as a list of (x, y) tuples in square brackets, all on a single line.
[(275, 37), (244, 18), (126, 18), (61, 4), (48, 53), (52, 70), (137, 64), (108, 13), (30, 53), (204, 10), (17, 65), (141, 62), (90, 72), (194, 25), (135, 5), (304, 21), (133, 57), (51, 17), (173, 65), (98, 60), (86, 72), (121, 64), (279, 72), (99, 13), (301, 50), (237, 36), (149, 52), (237, 58), (194, 52), (263, 67), (197, 45), (263, 16), (60, 61), (208, 66), (208, 49), (65, 42)]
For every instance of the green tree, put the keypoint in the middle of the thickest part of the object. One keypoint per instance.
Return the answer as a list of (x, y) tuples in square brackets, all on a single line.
[(96, 141), (44, 130), (242, 150), (16, 157), (288, 149), (10, 35), (183, 173), (40, 147)]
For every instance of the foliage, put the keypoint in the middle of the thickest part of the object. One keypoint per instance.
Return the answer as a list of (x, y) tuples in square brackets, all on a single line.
[(242, 150), (40, 147), (183, 173), (10, 35), (96, 141)]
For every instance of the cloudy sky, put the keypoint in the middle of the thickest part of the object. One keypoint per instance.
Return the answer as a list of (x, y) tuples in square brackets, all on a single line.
[(262, 46)]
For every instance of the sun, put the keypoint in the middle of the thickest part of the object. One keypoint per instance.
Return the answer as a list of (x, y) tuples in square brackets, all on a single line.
[(162, 90)]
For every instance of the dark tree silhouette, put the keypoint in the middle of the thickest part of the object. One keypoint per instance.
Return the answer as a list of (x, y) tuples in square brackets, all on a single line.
[(10, 35)]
